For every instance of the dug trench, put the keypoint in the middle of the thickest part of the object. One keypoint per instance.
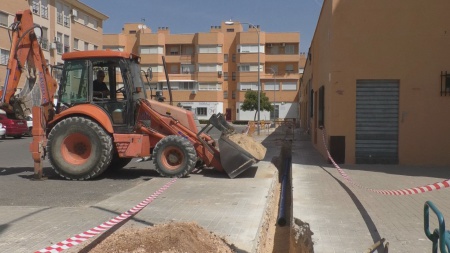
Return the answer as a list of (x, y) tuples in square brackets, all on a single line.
[(294, 236)]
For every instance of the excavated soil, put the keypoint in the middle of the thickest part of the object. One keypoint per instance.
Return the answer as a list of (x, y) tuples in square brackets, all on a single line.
[(172, 237), (253, 147)]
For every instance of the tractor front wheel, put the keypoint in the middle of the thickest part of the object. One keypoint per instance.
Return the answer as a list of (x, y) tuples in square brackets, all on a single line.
[(79, 149), (174, 156)]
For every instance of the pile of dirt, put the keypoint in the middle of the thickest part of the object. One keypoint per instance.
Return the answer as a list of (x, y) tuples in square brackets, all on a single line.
[(171, 237), (253, 147)]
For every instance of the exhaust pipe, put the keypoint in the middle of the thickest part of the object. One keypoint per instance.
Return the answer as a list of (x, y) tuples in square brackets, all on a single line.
[(284, 195)]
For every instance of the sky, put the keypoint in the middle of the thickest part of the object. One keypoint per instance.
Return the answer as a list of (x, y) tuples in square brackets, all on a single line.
[(193, 16)]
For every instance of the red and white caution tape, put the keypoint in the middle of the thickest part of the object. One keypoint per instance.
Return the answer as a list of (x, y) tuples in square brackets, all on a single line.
[(75, 240), (409, 191)]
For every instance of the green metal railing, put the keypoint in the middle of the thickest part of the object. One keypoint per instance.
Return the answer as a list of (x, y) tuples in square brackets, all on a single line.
[(439, 236)]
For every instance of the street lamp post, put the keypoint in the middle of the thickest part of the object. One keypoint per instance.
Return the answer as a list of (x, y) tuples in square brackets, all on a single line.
[(259, 70)]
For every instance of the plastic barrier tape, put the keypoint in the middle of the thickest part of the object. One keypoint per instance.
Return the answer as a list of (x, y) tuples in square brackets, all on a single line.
[(409, 191), (75, 240)]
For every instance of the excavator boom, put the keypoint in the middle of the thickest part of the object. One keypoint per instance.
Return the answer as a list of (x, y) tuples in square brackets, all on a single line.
[(26, 56)]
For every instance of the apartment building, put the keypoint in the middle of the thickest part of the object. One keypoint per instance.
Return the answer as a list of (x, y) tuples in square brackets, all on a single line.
[(377, 77), (209, 72), (66, 26)]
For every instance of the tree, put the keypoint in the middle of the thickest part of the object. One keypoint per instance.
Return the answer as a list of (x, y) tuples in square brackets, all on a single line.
[(251, 102)]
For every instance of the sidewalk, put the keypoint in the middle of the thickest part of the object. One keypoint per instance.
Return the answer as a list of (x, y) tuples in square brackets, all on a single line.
[(347, 219)]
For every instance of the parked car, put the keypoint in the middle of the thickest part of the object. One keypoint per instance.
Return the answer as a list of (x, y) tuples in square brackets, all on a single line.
[(2, 131), (14, 127)]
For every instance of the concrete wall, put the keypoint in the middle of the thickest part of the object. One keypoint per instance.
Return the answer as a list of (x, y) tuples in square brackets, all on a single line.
[(402, 40)]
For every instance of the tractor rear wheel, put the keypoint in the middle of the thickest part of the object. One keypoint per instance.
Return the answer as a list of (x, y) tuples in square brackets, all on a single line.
[(174, 156), (79, 149)]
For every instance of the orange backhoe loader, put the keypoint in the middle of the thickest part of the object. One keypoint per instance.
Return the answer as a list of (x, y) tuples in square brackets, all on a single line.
[(85, 133)]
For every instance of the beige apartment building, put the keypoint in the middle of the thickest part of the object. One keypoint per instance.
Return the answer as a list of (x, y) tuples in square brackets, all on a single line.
[(377, 77), (210, 72), (67, 25)]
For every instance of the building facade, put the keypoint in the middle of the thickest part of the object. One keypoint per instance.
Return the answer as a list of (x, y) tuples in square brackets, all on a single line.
[(377, 78), (65, 25), (209, 72)]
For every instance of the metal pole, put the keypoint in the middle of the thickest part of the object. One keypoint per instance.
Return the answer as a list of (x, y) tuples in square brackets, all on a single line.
[(259, 86), (274, 100)]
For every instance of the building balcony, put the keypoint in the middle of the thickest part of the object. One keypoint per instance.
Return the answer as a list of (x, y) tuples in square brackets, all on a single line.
[(210, 58), (176, 58), (250, 57), (151, 59), (282, 58)]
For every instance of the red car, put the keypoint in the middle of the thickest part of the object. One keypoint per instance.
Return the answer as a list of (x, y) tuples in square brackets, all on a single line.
[(14, 127)]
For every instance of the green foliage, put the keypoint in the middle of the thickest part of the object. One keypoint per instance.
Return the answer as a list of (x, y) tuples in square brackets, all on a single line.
[(251, 102)]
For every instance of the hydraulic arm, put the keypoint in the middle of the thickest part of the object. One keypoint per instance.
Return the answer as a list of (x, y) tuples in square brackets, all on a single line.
[(26, 56)]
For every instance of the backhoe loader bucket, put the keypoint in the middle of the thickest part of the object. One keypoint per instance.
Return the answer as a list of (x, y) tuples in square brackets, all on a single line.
[(238, 152)]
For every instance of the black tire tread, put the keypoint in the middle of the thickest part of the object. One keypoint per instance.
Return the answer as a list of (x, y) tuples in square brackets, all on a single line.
[(183, 143), (106, 141)]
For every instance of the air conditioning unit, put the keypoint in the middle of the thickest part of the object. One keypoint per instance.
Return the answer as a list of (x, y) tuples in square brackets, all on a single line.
[(74, 13), (219, 73), (193, 92), (57, 39), (269, 45)]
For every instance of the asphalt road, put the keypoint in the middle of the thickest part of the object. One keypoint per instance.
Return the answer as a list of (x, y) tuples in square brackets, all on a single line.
[(18, 189)]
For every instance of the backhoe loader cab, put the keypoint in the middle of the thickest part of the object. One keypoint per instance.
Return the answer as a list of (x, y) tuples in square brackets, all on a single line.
[(123, 79)]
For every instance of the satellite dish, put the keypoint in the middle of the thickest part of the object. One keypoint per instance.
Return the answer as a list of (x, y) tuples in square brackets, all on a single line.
[(144, 27)]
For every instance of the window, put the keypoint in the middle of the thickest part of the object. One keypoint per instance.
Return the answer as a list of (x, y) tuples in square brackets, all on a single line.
[(289, 86), (248, 86), (225, 76), (174, 50), (59, 13), (272, 86), (210, 49), (233, 94), (187, 50), (233, 58), (75, 43), (95, 47), (76, 79), (248, 68), (209, 67), (187, 86), (202, 111), (174, 69), (321, 109), (209, 86), (86, 46), (66, 16), (289, 68), (35, 7), (250, 49), (44, 8), (225, 58), (3, 19), (233, 76), (66, 43), (225, 94), (59, 44), (4, 57), (230, 30), (187, 68), (151, 50), (289, 49), (114, 48), (274, 49), (244, 68)]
